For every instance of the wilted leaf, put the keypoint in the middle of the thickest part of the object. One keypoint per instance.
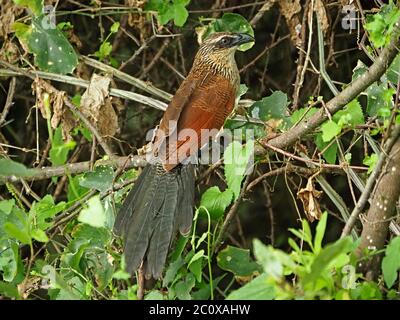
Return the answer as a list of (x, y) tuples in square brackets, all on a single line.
[(309, 197), (96, 106)]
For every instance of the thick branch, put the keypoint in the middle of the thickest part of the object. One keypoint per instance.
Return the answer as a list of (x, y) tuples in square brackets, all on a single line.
[(377, 69), (380, 213), (75, 168)]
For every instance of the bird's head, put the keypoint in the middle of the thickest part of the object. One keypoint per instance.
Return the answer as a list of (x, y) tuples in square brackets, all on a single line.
[(225, 42), (219, 48)]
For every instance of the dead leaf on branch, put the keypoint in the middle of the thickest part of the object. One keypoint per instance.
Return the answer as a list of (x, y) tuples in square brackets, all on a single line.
[(47, 97), (290, 9), (8, 12), (309, 197), (322, 16), (97, 107)]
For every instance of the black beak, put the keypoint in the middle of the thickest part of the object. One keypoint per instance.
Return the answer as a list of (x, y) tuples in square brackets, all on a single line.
[(241, 38)]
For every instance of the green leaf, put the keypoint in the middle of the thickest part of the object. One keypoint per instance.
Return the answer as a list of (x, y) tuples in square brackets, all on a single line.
[(330, 153), (237, 159), (302, 114), (237, 261), (394, 70), (183, 287), (39, 235), (154, 295), (371, 161), (60, 149), (172, 270), (94, 215), (271, 107), (12, 168), (115, 27), (170, 10), (327, 256), (330, 129), (196, 269), (232, 22), (35, 5), (9, 290), (391, 262), (17, 233), (272, 260), (257, 289), (45, 210), (100, 179), (52, 50), (320, 232), (216, 201), (22, 31), (9, 260), (350, 116), (104, 50)]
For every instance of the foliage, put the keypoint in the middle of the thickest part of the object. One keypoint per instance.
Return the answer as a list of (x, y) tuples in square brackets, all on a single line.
[(56, 233)]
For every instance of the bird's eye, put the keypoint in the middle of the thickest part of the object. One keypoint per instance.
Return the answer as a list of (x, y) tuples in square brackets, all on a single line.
[(224, 41)]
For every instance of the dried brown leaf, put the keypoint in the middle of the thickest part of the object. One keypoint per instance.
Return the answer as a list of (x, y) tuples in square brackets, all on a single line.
[(322, 16), (59, 113), (290, 9), (97, 107), (309, 197)]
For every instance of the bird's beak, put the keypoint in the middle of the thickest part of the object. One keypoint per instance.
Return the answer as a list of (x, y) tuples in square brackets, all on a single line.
[(242, 38)]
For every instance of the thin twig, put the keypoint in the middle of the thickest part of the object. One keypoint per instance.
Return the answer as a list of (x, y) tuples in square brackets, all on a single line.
[(92, 129), (9, 101)]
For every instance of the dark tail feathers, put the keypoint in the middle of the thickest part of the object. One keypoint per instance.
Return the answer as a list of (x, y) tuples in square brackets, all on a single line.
[(159, 203)]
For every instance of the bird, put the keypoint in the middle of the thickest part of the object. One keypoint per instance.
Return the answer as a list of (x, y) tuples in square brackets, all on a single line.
[(161, 202)]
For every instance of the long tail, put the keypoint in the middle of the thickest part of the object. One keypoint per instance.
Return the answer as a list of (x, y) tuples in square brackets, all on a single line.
[(159, 203)]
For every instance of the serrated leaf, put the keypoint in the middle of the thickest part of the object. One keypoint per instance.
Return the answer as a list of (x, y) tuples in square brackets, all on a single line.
[(216, 201), (52, 50), (237, 261), (330, 129), (350, 116), (371, 161), (45, 210), (94, 214), (237, 159), (391, 262), (100, 179)]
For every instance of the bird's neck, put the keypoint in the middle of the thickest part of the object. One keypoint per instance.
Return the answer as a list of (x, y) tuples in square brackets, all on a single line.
[(224, 65)]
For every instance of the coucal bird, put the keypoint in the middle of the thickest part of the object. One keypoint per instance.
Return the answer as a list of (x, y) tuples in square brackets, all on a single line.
[(162, 199)]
